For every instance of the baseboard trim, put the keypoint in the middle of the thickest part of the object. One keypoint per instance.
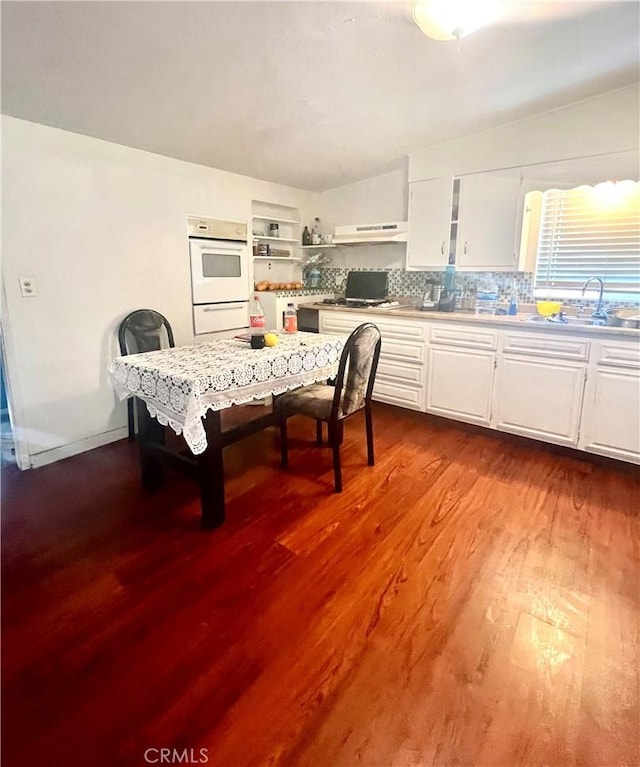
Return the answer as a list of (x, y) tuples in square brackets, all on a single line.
[(507, 437), (74, 448)]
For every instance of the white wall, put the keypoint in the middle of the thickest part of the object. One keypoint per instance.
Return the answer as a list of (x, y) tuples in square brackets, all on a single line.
[(600, 125), (102, 230)]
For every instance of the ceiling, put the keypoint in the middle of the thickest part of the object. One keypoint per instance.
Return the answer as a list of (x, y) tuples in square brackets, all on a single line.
[(309, 94)]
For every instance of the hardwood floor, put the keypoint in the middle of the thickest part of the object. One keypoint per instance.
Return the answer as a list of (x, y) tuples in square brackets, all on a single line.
[(470, 600)]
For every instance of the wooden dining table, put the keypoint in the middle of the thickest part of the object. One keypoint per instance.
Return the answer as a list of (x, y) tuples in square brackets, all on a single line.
[(187, 387)]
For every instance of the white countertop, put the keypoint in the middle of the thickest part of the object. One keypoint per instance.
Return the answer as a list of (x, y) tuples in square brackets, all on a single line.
[(501, 320)]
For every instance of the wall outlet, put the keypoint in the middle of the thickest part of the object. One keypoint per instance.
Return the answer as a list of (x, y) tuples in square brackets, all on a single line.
[(27, 287)]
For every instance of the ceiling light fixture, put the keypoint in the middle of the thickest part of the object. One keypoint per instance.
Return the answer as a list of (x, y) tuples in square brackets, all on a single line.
[(453, 19)]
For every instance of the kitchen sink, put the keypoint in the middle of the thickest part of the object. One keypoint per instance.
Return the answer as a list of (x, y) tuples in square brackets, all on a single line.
[(571, 321)]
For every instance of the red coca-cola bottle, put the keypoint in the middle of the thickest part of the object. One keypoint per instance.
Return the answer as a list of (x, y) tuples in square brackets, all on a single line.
[(256, 323)]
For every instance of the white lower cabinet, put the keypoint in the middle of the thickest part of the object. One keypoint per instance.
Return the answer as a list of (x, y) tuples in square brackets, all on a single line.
[(540, 398), (460, 372), (611, 410), (460, 383), (540, 385), (400, 376), (573, 390)]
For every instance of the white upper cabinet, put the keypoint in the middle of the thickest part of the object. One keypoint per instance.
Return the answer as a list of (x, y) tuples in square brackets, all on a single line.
[(472, 219), (430, 205), (488, 223)]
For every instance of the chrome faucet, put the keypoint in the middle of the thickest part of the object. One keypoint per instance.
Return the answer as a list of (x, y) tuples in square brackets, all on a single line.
[(597, 312)]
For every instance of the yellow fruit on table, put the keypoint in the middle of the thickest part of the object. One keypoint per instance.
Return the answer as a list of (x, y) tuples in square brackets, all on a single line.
[(270, 339)]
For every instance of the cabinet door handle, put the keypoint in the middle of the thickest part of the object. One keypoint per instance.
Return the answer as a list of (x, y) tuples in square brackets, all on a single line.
[(465, 247), (442, 248)]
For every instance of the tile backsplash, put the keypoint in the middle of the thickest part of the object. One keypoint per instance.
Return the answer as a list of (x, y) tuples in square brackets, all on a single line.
[(412, 284)]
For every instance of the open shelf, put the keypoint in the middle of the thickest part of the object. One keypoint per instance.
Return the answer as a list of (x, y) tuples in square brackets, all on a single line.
[(312, 247), (276, 220), (260, 237), (284, 266)]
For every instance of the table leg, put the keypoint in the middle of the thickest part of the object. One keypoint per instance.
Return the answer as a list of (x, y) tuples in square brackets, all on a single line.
[(211, 473), (150, 434)]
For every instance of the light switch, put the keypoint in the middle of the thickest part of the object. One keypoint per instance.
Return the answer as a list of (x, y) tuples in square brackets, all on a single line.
[(27, 287)]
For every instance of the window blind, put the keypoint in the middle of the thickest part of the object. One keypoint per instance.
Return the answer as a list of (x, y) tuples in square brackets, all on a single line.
[(587, 232)]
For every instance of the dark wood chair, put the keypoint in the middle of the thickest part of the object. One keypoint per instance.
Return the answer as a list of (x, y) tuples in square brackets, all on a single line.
[(349, 393), (143, 330)]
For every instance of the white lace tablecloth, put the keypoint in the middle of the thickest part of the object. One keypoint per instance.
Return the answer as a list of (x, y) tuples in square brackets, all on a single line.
[(181, 384)]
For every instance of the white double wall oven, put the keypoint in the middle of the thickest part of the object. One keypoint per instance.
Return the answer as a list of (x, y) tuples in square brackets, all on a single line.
[(219, 258)]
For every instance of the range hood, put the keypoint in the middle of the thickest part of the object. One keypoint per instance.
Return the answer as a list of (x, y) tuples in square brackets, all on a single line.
[(368, 233)]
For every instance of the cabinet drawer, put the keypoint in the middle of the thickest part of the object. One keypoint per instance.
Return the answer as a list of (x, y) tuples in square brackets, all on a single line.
[(341, 324), (403, 351), (619, 354), (455, 335), (335, 322), (213, 318), (402, 329), (398, 371), (398, 394), (544, 346)]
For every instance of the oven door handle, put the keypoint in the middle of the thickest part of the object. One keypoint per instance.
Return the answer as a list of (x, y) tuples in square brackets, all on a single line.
[(218, 249), (222, 307)]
